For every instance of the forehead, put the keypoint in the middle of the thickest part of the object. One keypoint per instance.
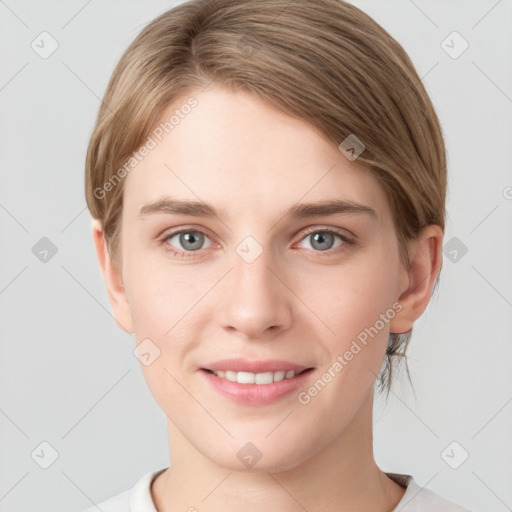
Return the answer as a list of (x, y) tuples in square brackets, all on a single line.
[(239, 153)]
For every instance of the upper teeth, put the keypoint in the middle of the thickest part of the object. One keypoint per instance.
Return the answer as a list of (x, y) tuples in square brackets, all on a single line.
[(255, 378)]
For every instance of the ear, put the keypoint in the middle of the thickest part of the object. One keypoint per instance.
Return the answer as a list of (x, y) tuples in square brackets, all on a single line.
[(426, 258), (113, 281)]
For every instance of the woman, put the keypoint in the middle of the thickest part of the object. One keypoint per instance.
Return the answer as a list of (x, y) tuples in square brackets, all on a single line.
[(267, 184)]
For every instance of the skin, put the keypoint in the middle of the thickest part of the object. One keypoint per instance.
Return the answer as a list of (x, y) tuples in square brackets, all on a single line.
[(294, 302)]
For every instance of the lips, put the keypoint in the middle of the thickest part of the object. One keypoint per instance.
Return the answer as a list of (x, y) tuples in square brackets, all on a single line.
[(261, 366), (255, 378), (265, 389)]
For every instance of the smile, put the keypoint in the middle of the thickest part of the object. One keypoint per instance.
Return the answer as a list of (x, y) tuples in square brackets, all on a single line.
[(256, 389), (255, 378)]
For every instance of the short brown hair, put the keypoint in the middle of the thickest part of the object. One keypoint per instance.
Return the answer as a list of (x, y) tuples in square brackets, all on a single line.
[(325, 62)]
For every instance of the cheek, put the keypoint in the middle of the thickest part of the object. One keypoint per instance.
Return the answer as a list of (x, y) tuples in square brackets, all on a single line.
[(351, 298), (355, 303), (162, 309), (160, 296), (165, 303)]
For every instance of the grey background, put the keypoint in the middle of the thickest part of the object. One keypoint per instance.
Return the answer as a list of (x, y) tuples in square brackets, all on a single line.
[(68, 375)]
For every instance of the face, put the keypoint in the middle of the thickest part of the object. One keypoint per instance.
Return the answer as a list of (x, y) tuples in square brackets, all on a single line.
[(261, 278)]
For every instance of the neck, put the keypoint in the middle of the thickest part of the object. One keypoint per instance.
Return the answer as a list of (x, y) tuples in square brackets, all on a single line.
[(342, 476)]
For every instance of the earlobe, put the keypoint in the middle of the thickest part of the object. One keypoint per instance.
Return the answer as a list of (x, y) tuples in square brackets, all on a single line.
[(113, 280), (426, 260)]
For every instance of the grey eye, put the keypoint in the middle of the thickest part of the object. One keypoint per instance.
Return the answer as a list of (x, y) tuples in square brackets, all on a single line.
[(189, 240), (323, 240)]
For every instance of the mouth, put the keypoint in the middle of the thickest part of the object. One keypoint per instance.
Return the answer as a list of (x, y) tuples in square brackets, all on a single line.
[(263, 378), (256, 389)]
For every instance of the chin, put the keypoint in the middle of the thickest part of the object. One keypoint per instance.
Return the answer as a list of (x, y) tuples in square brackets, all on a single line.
[(257, 455)]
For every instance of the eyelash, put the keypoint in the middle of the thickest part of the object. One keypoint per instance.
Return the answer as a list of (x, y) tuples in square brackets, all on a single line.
[(187, 254)]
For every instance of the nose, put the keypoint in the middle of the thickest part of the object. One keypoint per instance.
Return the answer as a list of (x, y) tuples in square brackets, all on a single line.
[(255, 302)]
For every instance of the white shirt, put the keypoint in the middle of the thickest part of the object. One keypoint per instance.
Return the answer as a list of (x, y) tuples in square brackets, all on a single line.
[(415, 499)]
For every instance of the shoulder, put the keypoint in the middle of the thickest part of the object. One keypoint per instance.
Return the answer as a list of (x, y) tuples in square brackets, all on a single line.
[(421, 499), (138, 498)]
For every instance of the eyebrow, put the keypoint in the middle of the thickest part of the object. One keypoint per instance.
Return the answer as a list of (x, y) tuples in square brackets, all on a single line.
[(299, 211)]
